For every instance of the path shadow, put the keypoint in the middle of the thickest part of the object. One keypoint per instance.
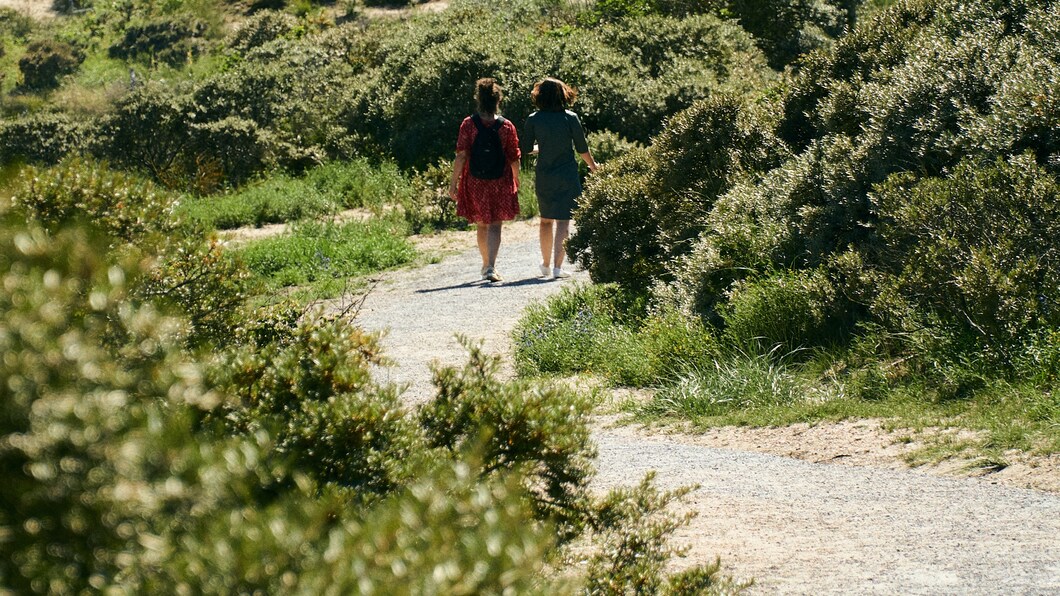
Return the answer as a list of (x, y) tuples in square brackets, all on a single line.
[(530, 281)]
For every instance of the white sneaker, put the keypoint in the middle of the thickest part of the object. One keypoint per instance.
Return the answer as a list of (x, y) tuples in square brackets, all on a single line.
[(559, 273), (546, 272)]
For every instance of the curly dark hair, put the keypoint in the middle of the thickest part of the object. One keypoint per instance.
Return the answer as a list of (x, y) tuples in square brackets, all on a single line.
[(553, 95), (488, 95)]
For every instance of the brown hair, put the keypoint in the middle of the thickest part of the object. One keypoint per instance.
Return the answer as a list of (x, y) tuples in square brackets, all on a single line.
[(488, 95), (553, 95)]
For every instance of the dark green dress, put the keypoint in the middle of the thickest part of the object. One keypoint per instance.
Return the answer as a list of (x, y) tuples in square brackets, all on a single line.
[(558, 136)]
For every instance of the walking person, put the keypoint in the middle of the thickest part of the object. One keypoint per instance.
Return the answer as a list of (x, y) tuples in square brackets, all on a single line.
[(556, 133), (485, 180)]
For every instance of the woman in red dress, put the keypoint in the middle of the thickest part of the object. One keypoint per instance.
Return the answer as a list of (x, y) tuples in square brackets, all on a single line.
[(491, 199)]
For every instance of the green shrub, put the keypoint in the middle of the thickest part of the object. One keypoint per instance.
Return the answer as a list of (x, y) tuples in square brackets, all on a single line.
[(105, 439), (43, 138), (314, 392), (236, 147), (787, 311), (148, 130), (173, 40), (205, 282), (193, 275), (97, 399), (430, 207), (646, 210), (542, 431), (261, 28), (633, 526), (46, 62), (976, 248), (126, 208)]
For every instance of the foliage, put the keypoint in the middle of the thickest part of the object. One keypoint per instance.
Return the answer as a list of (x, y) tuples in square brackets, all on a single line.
[(541, 431), (261, 28), (978, 249), (190, 273), (130, 210), (634, 525), (787, 311), (646, 210), (42, 138), (46, 62), (136, 492), (170, 40), (312, 390), (430, 207)]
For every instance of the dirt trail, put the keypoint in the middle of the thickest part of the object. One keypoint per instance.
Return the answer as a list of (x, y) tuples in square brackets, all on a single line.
[(795, 526)]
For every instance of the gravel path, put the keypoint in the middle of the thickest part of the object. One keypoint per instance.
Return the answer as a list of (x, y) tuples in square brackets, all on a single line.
[(794, 526)]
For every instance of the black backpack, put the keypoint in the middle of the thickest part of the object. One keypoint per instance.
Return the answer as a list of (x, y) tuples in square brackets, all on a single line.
[(487, 155)]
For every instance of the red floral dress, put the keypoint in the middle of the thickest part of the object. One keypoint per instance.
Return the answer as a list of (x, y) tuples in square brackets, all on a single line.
[(487, 201)]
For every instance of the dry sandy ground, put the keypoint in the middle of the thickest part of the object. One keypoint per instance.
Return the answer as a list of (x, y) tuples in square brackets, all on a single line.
[(824, 509), (38, 9)]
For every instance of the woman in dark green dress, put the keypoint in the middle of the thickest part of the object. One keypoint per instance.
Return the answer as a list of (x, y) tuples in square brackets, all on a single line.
[(555, 133)]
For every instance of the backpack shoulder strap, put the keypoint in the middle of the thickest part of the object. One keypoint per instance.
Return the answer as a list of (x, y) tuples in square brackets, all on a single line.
[(477, 120), (499, 123)]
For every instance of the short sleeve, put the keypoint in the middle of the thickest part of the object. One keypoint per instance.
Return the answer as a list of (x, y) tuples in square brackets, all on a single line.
[(511, 142), (466, 135), (578, 134)]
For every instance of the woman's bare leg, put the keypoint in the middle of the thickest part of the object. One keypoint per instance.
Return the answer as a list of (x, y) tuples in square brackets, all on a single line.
[(545, 234), (560, 243), (493, 242), (482, 235)]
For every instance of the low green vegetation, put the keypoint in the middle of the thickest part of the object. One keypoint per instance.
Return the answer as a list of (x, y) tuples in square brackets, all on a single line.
[(315, 253), (211, 445)]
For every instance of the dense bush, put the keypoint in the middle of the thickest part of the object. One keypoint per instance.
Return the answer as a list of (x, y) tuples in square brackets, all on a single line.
[(261, 28), (46, 62), (786, 312), (190, 273), (645, 210), (542, 432), (126, 208), (137, 492), (978, 249), (171, 40), (624, 87), (313, 390), (918, 89), (43, 138)]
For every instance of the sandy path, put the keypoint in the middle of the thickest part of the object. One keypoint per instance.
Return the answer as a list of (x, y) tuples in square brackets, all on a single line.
[(796, 526)]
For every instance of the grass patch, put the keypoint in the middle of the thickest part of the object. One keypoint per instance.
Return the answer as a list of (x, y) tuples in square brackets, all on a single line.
[(276, 200), (325, 255), (324, 189), (361, 184)]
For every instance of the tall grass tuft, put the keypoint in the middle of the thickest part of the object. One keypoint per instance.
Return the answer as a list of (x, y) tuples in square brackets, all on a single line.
[(740, 382)]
